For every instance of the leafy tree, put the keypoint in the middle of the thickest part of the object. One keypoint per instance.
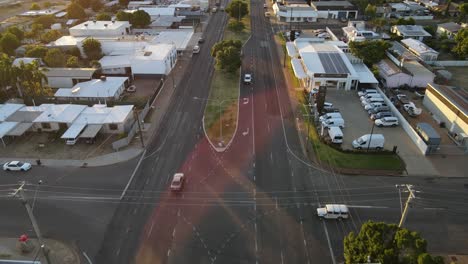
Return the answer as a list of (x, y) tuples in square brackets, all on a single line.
[(97, 5), (223, 44), (379, 23), (30, 78), (74, 10), (236, 26), (75, 51), (124, 3), (447, 8), (51, 35), (227, 54), (431, 29), (92, 49), (103, 17), (36, 31), (122, 16), (402, 21), (47, 4), (370, 51), (72, 62), (140, 19), (461, 47), (55, 58), (84, 3), (17, 32), (237, 9), (7, 74), (463, 11), (8, 43), (35, 6), (36, 51), (46, 21), (386, 243), (370, 11)]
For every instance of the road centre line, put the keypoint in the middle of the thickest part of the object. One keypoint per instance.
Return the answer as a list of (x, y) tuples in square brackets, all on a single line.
[(133, 174)]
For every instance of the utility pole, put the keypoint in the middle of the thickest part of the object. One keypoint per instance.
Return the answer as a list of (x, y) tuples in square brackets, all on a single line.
[(371, 133), (137, 117), (411, 196), (44, 249)]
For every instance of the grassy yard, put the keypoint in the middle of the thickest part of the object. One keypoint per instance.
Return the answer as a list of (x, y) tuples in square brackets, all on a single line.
[(222, 107), (346, 160)]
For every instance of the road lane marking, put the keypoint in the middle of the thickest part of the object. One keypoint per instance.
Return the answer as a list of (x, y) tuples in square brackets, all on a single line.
[(168, 252), (367, 206), (151, 230), (133, 174), (329, 242)]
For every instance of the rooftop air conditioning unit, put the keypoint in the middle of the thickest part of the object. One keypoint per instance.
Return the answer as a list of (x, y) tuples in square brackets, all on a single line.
[(103, 78)]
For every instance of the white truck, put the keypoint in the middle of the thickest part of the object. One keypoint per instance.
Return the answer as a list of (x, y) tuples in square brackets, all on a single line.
[(333, 211)]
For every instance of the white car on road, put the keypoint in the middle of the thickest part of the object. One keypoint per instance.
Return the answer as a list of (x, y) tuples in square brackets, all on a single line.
[(247, 78), (177, 182), (16, 166)]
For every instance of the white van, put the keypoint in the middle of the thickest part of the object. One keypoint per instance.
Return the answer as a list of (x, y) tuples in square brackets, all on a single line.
[(335, 134), (333, 211), (329, 115), (373, 100), (333, 122), (196, 49), (376, 142)]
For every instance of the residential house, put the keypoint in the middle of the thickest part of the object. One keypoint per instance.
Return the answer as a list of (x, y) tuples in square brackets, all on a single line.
[(392, 75), (410, 31), (450, 29), (335, 9), (67, 77), (104, 89), (100, 29), (424, 52)]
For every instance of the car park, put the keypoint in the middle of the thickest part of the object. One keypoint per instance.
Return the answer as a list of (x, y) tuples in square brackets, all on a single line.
[(333, 211), (177, 182), (390, 121), (380, 115), (16, 166), (247, 78)]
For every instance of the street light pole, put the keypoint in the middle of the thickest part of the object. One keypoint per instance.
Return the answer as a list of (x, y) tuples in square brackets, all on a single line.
[(371, 133), (398, 186)]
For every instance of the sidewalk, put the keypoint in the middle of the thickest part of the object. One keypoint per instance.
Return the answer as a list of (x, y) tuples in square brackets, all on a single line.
[(58, 252)]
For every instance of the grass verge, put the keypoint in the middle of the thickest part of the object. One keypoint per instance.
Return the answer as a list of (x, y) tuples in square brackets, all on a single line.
[(282, 40), (349, 160), (221, 111)]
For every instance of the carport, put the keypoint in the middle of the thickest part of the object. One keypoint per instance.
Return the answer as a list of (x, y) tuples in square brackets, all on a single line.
[(6, 127), (73, 131), (90, 132), (20, 129)]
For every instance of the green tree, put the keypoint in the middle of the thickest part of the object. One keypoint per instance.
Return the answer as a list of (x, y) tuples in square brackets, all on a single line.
[(92, 49), (75, 51), (84, 3), (55, 58), (370, 51), (7, 74), (17, 32), (30, 79), (461, 46), (140, 19), (36, 51), (72, 62), (122, 16), (103, 17), (227, 54), (463, 12), (370, 11), (123, 3), (35, 6), (402, 21), (237, 9), (51, 35), (47, 4), (447, 8), (385, 243), (8, 43), (379, 23), (223, 44), (36, 31), (46, 21), (97, 5), (236, 26), (74, 10)]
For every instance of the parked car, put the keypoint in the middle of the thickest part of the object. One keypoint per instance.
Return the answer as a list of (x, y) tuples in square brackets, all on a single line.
[(329, 116), (247, 78), (366, 91), (403, 98), (201, 40), (381, 115), (177, 182), (412, 110), (372, 95), (373, 105), (16, 166), (387, 121), (196, 49), (326, 105), (378, 109), (333, 122)]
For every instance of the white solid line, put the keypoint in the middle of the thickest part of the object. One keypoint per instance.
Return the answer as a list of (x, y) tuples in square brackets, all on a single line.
[(168, 252), (83, 197), (329, 242), (173, 232), (434, 208), (133, 174), (282, 257), (151, 229), (366, 206), (87, 258)]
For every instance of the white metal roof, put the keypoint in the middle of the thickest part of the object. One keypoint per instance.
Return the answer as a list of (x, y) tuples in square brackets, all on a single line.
[(110, 62), (19, 129), (90, 131), (412, 31), (158, 11), (388, 68), (86, 73), (73, 131), (67, 41), (417, 69), (41, 12), (297, 68), (25, 60), (7, 110), (179, 38), (6, 127), (100, 114), (291, 48), (418, 46), (61, 113), (365, 75), (153, 52), (101, 25), (94, 89)]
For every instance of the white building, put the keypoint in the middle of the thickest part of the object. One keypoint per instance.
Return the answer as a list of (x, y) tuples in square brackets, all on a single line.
[(450, 105), (104, 89), (152, 60), (450, 29), (158, 11), (335, 9), (356, 31), (180, 38), (100, 29), (295, 12), (67, 77), (328, 63), (410, 31), (421, 76), (136, 4), (392, 76), (55, 117), (420, 49)]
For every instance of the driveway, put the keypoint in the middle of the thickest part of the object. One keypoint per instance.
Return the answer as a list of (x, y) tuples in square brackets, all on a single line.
[(357, 123)]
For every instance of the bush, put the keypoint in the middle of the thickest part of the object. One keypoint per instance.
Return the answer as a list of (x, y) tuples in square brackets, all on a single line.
[(46, 21), (36, 51), (51, 35), (35, 6), (236, 26), (103, 17), (72, 62), (55, 58), (75, 51)]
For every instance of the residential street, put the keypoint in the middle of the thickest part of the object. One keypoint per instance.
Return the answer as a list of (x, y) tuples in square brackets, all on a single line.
[(254, 203)]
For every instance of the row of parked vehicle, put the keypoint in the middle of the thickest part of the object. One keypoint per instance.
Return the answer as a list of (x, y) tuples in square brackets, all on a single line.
[(378, 111)]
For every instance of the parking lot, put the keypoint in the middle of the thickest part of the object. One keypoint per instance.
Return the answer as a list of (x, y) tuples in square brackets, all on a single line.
[(358, 123)]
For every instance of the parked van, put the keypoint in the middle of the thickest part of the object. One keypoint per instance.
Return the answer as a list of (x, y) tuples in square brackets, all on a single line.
[(367, 91), (380, 115), (196, 49), (333, 122), (372, 95), (373, 105), (333, 211), (390, 121), (335, 134), (329, 115), (376, 142), (378, 109), (375, 100)]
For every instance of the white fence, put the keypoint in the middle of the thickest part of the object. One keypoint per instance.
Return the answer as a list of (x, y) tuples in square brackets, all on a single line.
[(458, 63), (406, 126)]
